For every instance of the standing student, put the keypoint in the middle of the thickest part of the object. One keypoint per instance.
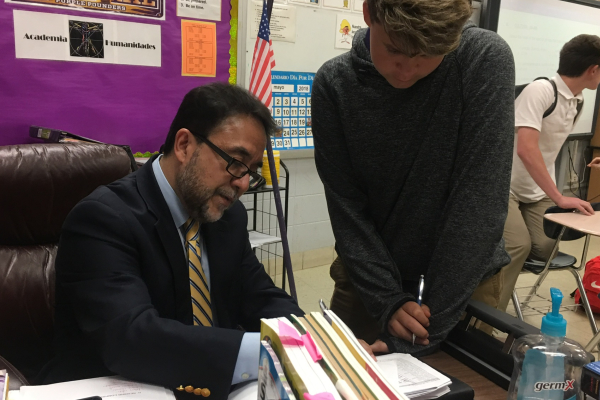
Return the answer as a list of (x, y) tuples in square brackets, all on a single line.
[(413, 143), (537, 143)]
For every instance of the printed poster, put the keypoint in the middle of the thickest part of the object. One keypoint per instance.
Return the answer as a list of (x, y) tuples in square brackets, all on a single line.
[(44, 36), (199, 9), (338, 4), (346, 27), (291, 109), (198, 48), (314, 3), (282, 24), (141, 8)]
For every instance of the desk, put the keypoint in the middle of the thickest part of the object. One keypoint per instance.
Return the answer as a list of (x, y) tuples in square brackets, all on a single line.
[(484, 388), (588, 224)]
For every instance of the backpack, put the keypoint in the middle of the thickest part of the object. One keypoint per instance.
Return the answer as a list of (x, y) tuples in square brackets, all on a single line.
[(591, 284), (519, 89)]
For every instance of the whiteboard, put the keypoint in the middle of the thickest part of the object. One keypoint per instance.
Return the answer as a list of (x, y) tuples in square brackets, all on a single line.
[(536, 30)]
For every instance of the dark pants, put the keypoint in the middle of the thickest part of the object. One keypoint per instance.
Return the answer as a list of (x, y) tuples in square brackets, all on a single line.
[(347, 305)]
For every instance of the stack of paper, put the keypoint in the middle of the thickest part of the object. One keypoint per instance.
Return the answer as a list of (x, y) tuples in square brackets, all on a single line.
[(106, 387), (413, 377)]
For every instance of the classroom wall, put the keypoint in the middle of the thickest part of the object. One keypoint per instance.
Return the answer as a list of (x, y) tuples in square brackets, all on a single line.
[(121, 104), (309, 228), (310, 231)]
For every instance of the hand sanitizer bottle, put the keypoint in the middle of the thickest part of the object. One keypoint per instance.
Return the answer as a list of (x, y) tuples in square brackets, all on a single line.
[(548, 366)]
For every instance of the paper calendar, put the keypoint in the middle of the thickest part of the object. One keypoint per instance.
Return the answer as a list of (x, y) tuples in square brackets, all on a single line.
[(291, 110)]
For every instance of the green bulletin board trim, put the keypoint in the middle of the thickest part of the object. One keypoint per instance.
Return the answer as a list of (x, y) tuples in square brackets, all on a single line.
[(233, 31)]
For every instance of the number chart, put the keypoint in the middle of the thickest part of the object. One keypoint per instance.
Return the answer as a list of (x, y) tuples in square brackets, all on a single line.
[(291, 110)]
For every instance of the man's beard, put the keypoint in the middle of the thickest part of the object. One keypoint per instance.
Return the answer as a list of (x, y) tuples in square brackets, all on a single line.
[(195, 195)]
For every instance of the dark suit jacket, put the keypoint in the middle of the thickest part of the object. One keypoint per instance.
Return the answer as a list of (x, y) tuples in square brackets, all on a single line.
[(123, 295)]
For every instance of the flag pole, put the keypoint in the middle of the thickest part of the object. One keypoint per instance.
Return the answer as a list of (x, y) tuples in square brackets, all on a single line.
[(287, 260)]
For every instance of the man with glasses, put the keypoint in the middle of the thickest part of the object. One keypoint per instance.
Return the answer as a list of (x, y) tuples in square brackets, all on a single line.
[(155, 277)]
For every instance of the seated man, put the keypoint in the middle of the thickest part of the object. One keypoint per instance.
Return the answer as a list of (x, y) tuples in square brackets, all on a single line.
[(155, 277)]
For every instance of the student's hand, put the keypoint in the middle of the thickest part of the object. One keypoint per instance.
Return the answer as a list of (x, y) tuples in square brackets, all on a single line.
[(595, 163), (573, 202), (377, 347), (408, 319)]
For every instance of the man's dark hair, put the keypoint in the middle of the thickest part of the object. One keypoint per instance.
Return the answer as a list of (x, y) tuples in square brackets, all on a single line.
[(578, 54), (206, 107)]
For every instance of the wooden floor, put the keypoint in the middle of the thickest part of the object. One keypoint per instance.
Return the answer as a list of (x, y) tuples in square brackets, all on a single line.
[(484, 388)]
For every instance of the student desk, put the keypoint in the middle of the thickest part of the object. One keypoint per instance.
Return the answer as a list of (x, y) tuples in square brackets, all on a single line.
[(483, 387)]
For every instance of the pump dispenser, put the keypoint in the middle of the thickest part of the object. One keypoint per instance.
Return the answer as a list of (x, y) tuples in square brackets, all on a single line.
[(548, 366)]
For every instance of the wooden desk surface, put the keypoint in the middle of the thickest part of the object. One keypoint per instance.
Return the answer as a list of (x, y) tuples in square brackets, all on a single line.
[(589, 224), (484, 388)]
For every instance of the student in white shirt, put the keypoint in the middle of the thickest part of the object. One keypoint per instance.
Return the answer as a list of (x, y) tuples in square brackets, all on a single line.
[(537, 143)]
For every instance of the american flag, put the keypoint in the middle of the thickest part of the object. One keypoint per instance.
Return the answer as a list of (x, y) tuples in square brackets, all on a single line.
[(263, 61)]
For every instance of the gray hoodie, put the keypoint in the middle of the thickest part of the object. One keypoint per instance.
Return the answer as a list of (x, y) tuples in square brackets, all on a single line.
[(417, 180)]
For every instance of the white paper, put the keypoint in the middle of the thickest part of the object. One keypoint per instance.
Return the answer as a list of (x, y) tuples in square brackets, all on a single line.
[(433, 395), (339, 4), (60, 37), (345, 28), (412, 376), (282, 24), (106, 387), (199, 9), (243, 391), (258, 239)]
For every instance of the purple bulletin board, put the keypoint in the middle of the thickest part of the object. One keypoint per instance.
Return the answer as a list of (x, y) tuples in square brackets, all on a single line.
[(121, 104)]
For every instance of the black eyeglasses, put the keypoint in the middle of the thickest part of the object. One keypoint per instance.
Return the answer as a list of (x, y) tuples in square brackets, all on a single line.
[(235, 167)]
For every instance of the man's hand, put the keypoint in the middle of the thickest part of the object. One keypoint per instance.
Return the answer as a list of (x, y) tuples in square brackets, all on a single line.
[(408, 319), (572, 202), (595, 163), (377, 347)]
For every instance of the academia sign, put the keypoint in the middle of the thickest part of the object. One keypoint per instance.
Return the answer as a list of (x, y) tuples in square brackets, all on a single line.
[(68, 38)]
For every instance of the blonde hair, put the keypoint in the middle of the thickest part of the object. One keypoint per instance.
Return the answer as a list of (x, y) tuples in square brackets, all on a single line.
[(430, 27)]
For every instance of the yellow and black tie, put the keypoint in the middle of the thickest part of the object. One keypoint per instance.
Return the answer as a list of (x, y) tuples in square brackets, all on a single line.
[(198, 284)]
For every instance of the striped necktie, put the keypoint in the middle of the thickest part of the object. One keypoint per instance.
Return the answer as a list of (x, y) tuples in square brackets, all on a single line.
[(198, 284)]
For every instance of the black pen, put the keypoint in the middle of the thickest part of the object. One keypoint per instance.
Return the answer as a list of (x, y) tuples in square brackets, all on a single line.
[(92, 398)]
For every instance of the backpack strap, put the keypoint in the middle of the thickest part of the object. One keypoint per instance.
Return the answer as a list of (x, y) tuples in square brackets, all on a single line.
[(550, 110)]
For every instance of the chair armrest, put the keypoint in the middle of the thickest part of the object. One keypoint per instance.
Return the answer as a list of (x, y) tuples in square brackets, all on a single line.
[(15, 377)]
